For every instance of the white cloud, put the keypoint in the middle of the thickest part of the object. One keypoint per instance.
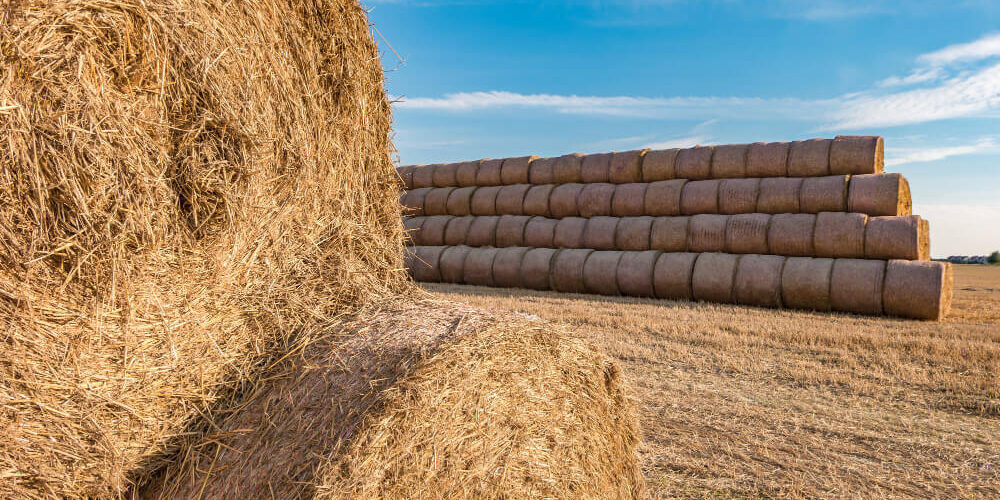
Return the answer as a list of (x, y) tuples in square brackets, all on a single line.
[(902, 156), (983, 48), (958, 229), (682, 142)]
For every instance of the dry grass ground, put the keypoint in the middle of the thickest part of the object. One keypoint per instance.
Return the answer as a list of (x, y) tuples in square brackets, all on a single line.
[(740, 402)]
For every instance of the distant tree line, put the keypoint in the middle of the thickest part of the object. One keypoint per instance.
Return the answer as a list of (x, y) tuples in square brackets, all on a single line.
[(994, 258)]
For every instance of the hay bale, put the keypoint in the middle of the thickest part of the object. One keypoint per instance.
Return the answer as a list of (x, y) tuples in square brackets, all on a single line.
[(694, 163), (516, 170), (805, 283), (460, 201), (658, 165), (457, 231), (507, 267), (634, 233), (423, 176), (856, 155), (919, 290), (510, 230), (482, 232), (672, 275), (879, 194), (714, 276), (600, 272), (626, 166), (452, 264), (484, 200), (738, 196), (903, 237), (568, 168), (536, 200), (433, 230), (567, 270), (444, 175), (563, 202), (596, 168), (413, 201), (405, 174), (840, 235), (489, 172), (569, 232), (510, 199), (536, 268), (635, 273), (758, 280), (823, 194), (767, 159), (599, 233), (411, 225), (669, 234), (779, 195), (436, 201), (792, 235), (730, 161), (595, 199), (629, 200), (424, 263), (663, 197), (479, 266), (540, 232), (856, 286), (700, 197), (809, 158), (466, 173), (707, 233), (747, 233), (542, 171)]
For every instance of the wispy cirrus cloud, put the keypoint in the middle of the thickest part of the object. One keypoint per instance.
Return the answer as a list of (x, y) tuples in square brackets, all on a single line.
[(905, 155)]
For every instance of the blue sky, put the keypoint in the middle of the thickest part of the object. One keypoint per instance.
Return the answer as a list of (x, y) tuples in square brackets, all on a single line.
[(489, 78)]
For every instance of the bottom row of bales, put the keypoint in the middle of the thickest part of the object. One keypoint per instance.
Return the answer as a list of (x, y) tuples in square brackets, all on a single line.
[(910, 289)]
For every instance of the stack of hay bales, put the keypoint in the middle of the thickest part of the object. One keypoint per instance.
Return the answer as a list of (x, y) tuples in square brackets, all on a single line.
[(812, 224)]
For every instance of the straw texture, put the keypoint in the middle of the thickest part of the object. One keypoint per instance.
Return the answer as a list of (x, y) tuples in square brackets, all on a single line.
[(809, 158), (663, 197), (694, 163), (707, 233), (856, 155), (792, 235), (489, 173), (595, 199), (457, 230), (672, 275), (626, 167), (805, 283), (669, 234), (879, 194), (413, 201), (567, 270), (405, 176), (840, 234), (920, 290), (897, 238), (738, 196), (714, 277), (635, 273), (484, 200), (730, 161), (482, 232), (629, 200), (436, 201), (412, 227), (779, 195), (758, 280), (510, 199), (767, 159), (596, 168), (460, 201), (542, 171), (700, 197), (452, 264), (536, 268), (599, 233), (540, 232), (600, 273), (634, 233), (824, 194), (747, 233), (856, 285), (564, 201), (536, 200), (569, 232), (658, 165), (567, 169), (510, 230), (507, 267)]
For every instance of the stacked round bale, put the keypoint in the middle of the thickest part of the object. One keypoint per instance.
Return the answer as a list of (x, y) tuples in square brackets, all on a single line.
[(742, 211)]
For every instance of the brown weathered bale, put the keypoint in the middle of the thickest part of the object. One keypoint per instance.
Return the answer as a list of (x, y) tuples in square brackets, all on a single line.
[(663, 197), (626, 166), (479, 266), (767, 159), (856, 155), (747, 233), (635, 273), (452, 264), (540, 232), (405, 174), (758, 280), (599, 233), (510, 230), (483, 231), (436, 201), (879, 194), (730, 161), (484, 200), (444, 175), (707, 233), (595, 199), (536, 268), (488, 173), (424, 263), (596, 168), (569, 232), (919, 290), (567, 270), (823, 194), (658, 165), (672, 275), (669, 234), (412, 227), (700, 197), (629, 200), (568, 168), (600, 273), (563, 202), (457, 231), (423, 176), (507, 267), (634, 233), (840, 235), (536, 200), (694, 163), (413, 201), (516, 170), (792, 235), (856, 285), (714, 277), (902, 237), (738, 196), (510, 199), (805, 283), (466, 173), (460, 201), (433, 229), (542, 171), (779, 195), (809, 158)]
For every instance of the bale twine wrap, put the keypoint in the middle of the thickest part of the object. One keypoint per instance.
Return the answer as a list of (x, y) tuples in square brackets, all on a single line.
[(856, 286), (457, 230), (856, 155), (919, 290), (569, 232), (707, 233), (405, 174), (635, 273), (412, 227), (542, 171), (700, 197), (507, 267), (767, 159), (466, 173), (568, 168), (738, 196), (424, 263), (879, 194), (779, 195), (658, 165), (600, 272), (460, 201), (564, 200), (595, 199), (436, 201), (629, 200), (669, 234), (479, 266), (489, 172), (758, 280), (444, 175), (452, 264), (663, 197), (516, 170), (714, 277), (433, 230), (413, 201), (840, 235), (824, 194), (540, 232), (510, 230), (730, 161), (672, 275), (423, 176), (747, 233), (902, 237), (626, 167), (596, 168), (567, 270), (536, 200), (634, 233), (809, 158), (694, 163), (536, 268), (792, 235), (484, 200), (510, 199), (482, 232), (805, 283), (599, 233)]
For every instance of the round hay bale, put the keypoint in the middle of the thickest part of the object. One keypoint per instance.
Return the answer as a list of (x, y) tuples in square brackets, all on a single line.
[(510, 230), (919, 290), (856, 286), (707, 233), (563, 202), (809, 158), (823, 194), (540, 232), (444, 175), (536, 268), (635, 273), (663, 197), (714, 276), (779, 195), (489, 172), (423, 176), (482, 232), (634, 233), (460, 201), (758, 280), (510, 199), (516, 170), (569, 232), (413, 201), (596, 168), (536, 200), (629, 200), (738, 196), (436, 201), (433, 230), (465, 174), (672, 275), (568, 169), (925, 240), (856, 155), (412, 227), (792, 235), (767, 159), (479, 266), (424, 263), (405, 174), (879, 194), (700, 197), (669, 234), (840, 235), (658, 165), (542, 171), (805, 283), (626, 167), (747, 233), (507, 267), (896, 238), (484, 200), (730, 161), (457, 231), (599, 233), (567, 270), (694, 163), (452, 264), (600, 273), (595, 199)]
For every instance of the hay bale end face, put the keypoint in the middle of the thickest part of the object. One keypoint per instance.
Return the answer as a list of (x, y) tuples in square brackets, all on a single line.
[(510, 199), (672, 275), (707, 233), (457, 230), (700, 197), (626, 167), (413, 201), (489, 173), (460, 201), (567, 270), (856, 155), (840, 235), (634, 233), (669, 234), (767, 159), (564, 201), (568, 168), (412, 227), (747, 233), (809, 158), (596, 168), (792, 235), (730, 161), (516, 170), (714, 277), (482, 231), (484, 200), (452, 264), (629, 200), (738, 196), (879, 194), (466, 173), (919, 290), (897, 238), (856, 286), (425, 265), (444, 175), (536, 268), (423, 176), (436, 201), (635, 273), (542, 171), (569, 232), (694, 163), (479, 266), (758, 280), (599, 233), (405, 174), (824, 194), (658, 165), (600, 272), (663, 198), (779, 195), (510, 230), (536, 200), (595, 199), (432, 232), (805, 283), (507, 267), (540, 232)]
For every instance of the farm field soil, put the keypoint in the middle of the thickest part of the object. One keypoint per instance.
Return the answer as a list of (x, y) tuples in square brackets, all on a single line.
[(741, 402)]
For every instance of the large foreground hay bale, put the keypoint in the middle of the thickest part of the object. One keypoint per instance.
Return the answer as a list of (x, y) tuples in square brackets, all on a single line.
[(510, 230), (436, 201), (920, 290), (460, 201), (700, 197), (567, 169), (904, 238), (595, 199), (840, 235), (599, 233), (658, 165), (507, 267), (823, 194), (479, 266), (879, 194), (672, 275), (767, 159), (779, 195), (510, 199), (792, 235), (707, 233), (484, 200), (738, 196), (635, 273), (663, 198), (805, 283), (856, 285), (424, 263), (669, 234), (516, 170), (457, 231), (536, 268), (596, 168), (730, 161), (634, 233), (482, 232), (444, 175), (856, 155), (626, 167), (809, 158), (563, 202), (432, 233), (536, 200), (452, 264), (629, 200), (569, 232), (540, 232), (747, 233), (567, 270), (714, 277), (600, 273), (466, 173), (758, 280), (489, 173), (694, 163), (423, 176), (542, 171)]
